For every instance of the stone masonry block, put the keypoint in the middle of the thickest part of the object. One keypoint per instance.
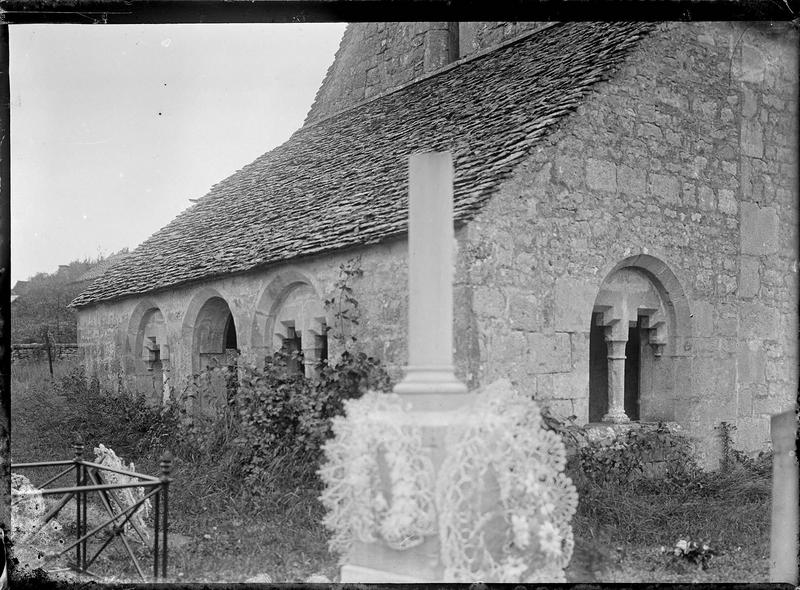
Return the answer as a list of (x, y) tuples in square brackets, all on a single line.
[(749, 65), (631, 181), (703, 318), (580, 351), (749, 282), (773, 404), (758, 321), (525, 312), (507, 347), (751, 434), (489, 301), (726, 320), (727, 201), (574, 385), (713, 378), (750, 363), (759, 230), (665, 187), (560, 408), (574, 300), (549, 353), (568, 170), (752, 138), (545, 387), (707, 199), (745, 402), (601, 175)]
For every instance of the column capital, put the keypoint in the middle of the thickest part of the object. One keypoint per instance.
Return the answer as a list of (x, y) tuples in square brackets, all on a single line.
[(616, 349)]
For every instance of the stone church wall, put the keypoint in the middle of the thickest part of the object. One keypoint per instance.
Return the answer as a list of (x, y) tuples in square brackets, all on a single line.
[(376, 57), (689, 156), (107, 335), (684, 164)]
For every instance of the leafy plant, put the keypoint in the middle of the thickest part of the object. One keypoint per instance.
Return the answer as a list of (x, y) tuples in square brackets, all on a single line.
[(629, 458), (727, 459), (280, 410), (686, 550), (344, 305)]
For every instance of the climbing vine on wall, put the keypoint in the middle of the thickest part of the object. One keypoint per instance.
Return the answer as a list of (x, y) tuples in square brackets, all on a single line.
[(343, 304)]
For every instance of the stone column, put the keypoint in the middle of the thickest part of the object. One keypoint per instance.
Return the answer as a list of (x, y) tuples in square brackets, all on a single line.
[(166, 369), (430, 379), (783, 537), (616, 382)]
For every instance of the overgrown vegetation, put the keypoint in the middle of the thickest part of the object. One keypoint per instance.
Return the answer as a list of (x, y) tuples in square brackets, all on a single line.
[(630, 517), (244, 461), (634, 457), (247, 446)]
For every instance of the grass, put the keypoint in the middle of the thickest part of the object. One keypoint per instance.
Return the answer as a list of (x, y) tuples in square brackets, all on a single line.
[(219, 530), (224, 530), (728, 510)]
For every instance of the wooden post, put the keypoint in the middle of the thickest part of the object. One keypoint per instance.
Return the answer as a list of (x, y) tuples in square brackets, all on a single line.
[(430, 380), (49, 352), (783, 537)]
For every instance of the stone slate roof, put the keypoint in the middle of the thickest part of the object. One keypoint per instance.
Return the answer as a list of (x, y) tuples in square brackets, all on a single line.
[(102, 267), (343, 182)]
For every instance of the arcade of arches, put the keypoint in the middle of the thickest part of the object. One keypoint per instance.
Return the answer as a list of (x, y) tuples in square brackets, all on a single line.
[(292, 319)]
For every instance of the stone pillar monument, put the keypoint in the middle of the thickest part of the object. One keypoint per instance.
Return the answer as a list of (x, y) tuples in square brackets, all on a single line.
[(431, 483), (429, 374), (430, 387)]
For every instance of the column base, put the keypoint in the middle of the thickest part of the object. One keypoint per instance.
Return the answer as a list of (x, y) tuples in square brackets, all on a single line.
[(430, 379), (616, 418)]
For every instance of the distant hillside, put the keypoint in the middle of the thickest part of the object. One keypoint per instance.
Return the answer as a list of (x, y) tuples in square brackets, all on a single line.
[(39, 304)]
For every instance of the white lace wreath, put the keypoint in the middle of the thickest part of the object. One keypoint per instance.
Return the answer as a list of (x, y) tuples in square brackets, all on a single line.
[(500, 450), (376, 447)]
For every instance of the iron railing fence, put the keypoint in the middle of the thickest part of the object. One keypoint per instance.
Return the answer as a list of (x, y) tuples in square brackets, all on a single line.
[(88, 479)]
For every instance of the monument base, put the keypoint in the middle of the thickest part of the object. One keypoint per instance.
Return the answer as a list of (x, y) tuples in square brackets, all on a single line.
[(358, 574)]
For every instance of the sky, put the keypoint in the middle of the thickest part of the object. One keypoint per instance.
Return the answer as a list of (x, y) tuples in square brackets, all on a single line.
[(115, 127)]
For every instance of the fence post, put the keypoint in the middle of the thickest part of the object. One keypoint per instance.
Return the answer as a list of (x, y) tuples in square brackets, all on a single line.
[(49, 352), (783, 537), (78, 447), (166, 469)]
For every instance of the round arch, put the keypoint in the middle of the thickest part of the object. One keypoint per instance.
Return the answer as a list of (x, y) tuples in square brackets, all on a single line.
[(270, 300), (672, 293), (290, 316), (146, 311), (210, 327), (640, 325), (146, 348)]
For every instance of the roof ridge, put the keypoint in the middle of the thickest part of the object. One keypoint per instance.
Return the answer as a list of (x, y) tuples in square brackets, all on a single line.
[(437, 72)]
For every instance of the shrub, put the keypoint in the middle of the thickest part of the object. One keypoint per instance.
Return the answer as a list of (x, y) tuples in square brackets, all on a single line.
[(49, 415), (280, 411), (631, 459)]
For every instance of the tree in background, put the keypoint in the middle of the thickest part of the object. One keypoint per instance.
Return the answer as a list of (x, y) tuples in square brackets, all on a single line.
[(39, 305)]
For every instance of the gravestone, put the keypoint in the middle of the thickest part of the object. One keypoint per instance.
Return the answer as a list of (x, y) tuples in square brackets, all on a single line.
[(431, 482), (124, 497)]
